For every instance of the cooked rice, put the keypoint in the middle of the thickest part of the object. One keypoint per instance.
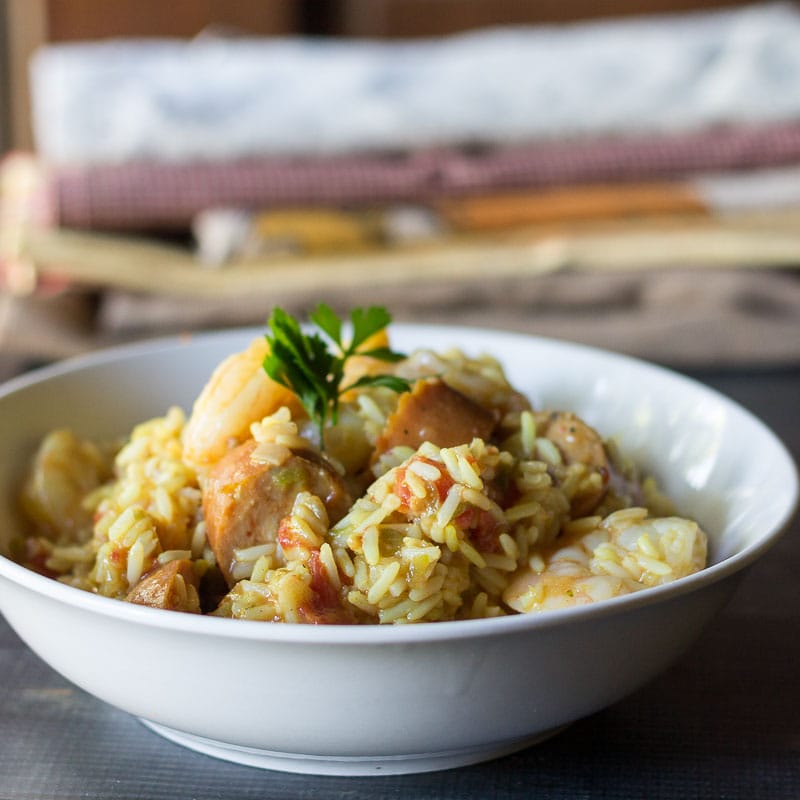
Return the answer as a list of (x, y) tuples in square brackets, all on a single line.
[(152, 505), (276, 436), (477, 530), (604, 558)]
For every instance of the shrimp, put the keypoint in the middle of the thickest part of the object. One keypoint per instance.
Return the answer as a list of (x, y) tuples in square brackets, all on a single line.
[(598, 559), (66, 469), (238, 393)]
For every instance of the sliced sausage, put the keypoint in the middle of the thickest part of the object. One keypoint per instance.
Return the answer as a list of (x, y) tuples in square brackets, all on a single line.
[(172, 586), (434, 412), (244, 501)]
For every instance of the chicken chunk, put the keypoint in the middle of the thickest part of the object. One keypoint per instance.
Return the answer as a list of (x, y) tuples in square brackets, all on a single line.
[(579, 443), (245, 500)]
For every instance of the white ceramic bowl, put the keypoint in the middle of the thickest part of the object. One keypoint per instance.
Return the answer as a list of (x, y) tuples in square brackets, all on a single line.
[(366, 700)]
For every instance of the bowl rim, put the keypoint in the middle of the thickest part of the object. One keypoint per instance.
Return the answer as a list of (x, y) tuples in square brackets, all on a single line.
[(381, 635)]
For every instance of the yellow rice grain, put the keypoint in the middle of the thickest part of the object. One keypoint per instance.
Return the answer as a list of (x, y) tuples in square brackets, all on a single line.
[(308, 536), (198, 539), (359, 600), (164, 505), (600, 587), (451, 537), (472, 554), (536, 563), (419, 610), (527, 429), (431, 451), (572, 553), (647, 546), (467, 473), (654, 566), (270, 453), (522, 510), (344, 562), (380, 513), (479, 606), (370, 409), (381, 586), (424, 470), (498, 561), (479, 500), (509, 546), (416, 484), (427, 589), (261, 568), (451, 597), (361, 577), (370, 545), (567, 569), (135, 564), (398, 587), (329, 562), (581, 526), (173, 555), (254, 552), (608, 566), (621, 519), (396, 612), (449, 507), (547, 451)]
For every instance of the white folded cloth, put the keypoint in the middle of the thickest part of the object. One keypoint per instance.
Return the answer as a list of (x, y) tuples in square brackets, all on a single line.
[(174, 100)]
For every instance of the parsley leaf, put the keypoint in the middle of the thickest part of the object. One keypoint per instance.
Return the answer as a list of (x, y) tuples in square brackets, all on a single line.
[(305, 364), (366, 323), (327, 321)]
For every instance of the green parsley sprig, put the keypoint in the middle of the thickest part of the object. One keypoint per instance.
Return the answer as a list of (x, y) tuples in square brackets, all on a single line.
[(313, 366)]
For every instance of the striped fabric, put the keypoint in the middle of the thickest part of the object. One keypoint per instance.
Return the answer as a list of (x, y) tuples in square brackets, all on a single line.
[(161, 195)]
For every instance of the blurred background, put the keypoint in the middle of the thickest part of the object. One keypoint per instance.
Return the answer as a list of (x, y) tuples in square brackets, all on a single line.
[(624, 173)]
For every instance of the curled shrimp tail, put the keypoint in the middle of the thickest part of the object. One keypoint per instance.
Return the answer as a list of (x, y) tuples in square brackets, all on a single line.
[(238, 393)]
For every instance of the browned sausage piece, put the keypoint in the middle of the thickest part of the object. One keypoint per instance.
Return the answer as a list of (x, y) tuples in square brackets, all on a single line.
[(244, 501), (172, 586), (434, 412)]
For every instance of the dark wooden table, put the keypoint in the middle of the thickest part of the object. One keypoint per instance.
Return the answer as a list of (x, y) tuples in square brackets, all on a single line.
[(724, 722)]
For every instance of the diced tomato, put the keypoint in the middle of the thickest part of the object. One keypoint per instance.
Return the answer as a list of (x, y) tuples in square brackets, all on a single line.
[(482, 528), (325, 608), (443, 485), (286, 534), (402, 491), (408, 501), (118, 556), (325, 591)]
